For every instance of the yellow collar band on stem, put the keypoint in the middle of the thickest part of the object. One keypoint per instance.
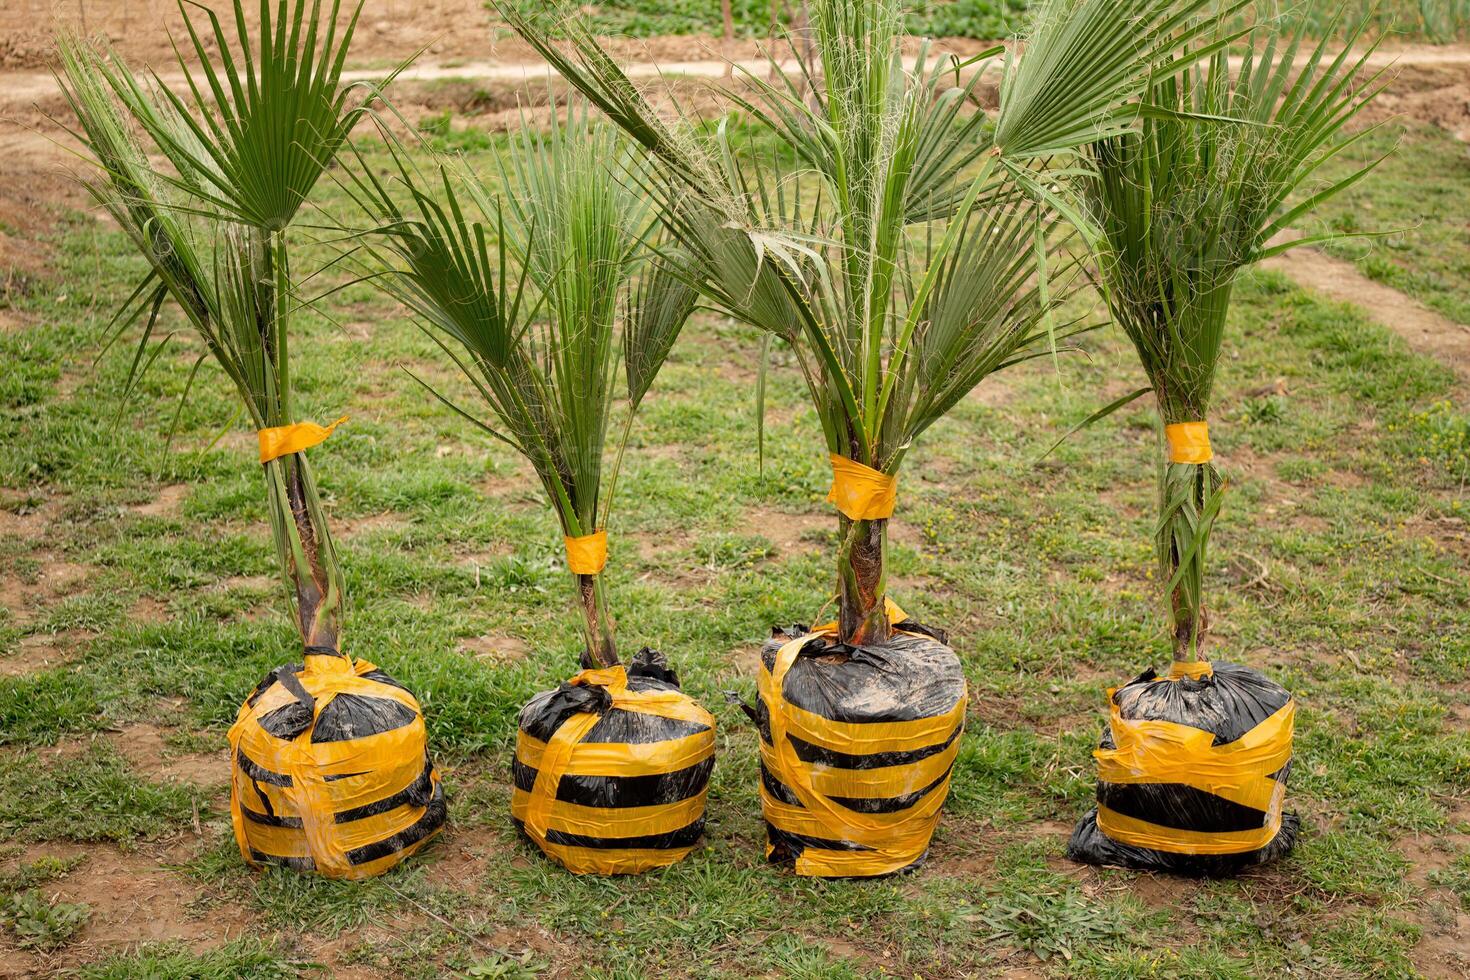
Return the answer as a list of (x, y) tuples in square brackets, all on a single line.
[(860, 492), (587, 555), (1189, 442), (1195, 670), (285, 439)]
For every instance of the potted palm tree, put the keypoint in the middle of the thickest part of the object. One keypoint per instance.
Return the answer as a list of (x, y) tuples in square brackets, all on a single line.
[(331, 769), (1193, 766), (910, 252), (538, 301)]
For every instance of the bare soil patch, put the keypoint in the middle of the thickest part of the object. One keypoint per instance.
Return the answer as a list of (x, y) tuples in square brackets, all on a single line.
[(133, 900), (790, 533), (166, 503), (38, 653), (147, 750), (497, 648), (1431, 93)]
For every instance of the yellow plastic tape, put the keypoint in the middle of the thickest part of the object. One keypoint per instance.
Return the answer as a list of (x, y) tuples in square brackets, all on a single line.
[(285, 439), (1195, 670), (587, 555), (1149, 752), (1141, 833), (1189, 442), (860, 492)]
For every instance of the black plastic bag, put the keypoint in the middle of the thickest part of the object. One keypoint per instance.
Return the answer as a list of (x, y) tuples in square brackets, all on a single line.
[(612, 769), (866, 737), (331, 770), (1192, 774)]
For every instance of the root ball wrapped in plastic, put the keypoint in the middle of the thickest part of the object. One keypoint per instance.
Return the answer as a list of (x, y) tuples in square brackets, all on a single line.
[(612, 769), (857, 747), (331, 770), (1192, 773)]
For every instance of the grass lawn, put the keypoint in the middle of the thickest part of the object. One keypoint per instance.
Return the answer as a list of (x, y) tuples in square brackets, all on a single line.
[(139, 608), (1417, 196)]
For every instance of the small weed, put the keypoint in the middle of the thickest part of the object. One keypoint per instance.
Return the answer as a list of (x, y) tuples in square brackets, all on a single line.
[(505, 966), (40, 924), (38, 872), (1051, 924), (1263, 410)]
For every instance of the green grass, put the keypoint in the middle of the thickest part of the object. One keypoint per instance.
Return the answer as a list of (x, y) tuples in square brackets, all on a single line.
[(986, 19), (1417, 196), (91, 797), (244, 959), (1336, 566), (1433, 21)]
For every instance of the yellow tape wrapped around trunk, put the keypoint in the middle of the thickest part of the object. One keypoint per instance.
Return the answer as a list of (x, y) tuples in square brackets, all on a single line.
[(858, 795), (612, 770), (331, 770)]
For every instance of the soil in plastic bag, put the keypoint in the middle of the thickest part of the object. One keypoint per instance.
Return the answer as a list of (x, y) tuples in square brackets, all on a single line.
[(331, 770), (1206, 796), (867, 738), (612, 769)]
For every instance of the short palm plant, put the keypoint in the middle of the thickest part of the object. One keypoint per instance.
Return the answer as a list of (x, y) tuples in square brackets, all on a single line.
[(1183, 207), (909, 252), (540, 304), (242, 151), (550, 308), (1193, 767)]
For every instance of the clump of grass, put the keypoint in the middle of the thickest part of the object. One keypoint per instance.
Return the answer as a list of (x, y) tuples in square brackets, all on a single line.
[(243, 959), (1442, 434), (91, 797), (1052, 923)]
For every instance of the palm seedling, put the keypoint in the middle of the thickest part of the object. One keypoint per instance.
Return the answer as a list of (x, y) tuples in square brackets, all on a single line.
[(540, 302), (911, 250), (243, 148), (1183, 205)]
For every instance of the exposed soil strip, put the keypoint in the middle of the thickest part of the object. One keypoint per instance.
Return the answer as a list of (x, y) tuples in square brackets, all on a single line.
[(1425, 330)]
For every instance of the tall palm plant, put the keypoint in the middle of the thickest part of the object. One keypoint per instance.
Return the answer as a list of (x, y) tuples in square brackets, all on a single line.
[(539, 302), (244, 148), (1183, 207), (313, 786), (910, 250)]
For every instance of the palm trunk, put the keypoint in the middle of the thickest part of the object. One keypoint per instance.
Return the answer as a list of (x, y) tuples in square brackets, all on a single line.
[(308, 557), (862, 616), (298, 523), (1187, 502), (597, 624)]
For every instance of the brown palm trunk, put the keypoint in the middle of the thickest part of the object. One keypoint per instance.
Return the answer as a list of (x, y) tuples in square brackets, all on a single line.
[(307, 554), (862, 617), (597, 623)]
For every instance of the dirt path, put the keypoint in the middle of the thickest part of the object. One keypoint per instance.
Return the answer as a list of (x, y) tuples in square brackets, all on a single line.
[(1425, 330)]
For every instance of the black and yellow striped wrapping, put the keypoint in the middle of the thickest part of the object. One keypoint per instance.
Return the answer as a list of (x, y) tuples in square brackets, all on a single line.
[(1192, 773), (612, 772), (856, 750), (331, 771)]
